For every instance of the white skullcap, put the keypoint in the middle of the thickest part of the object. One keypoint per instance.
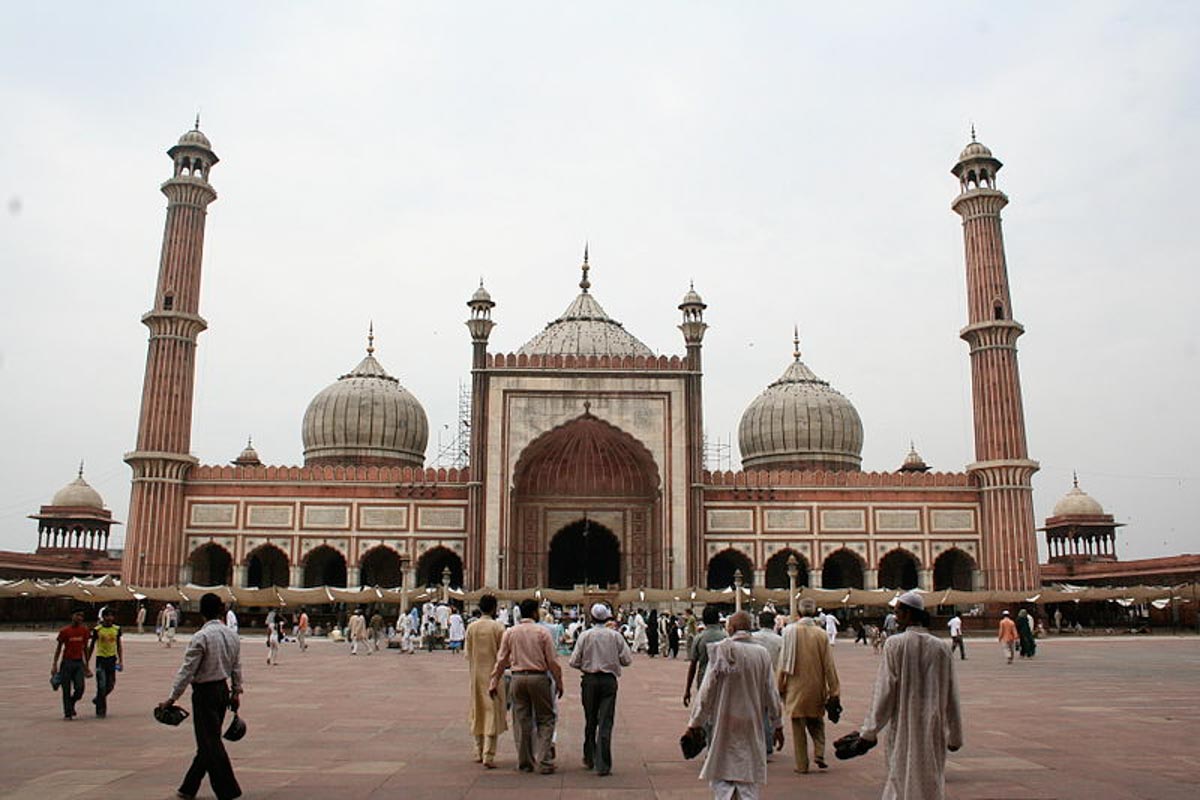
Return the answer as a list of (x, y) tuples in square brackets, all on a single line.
[(600, 612), (912, 600)]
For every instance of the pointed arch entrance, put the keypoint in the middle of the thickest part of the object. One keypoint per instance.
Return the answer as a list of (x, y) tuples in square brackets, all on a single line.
[(584, 553), (267, 566), (585, 469), (898, 570), (324, 566), (211, 565), (842, 569)]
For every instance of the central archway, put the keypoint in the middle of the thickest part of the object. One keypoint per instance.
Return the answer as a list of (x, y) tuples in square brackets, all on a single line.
[(585, 465), (584, 553)]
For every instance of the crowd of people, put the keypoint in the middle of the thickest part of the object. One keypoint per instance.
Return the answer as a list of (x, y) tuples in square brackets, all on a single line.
[(774, 670)]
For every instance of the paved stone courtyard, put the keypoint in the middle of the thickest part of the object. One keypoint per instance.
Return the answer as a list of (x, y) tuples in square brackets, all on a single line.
[(1095, 719)]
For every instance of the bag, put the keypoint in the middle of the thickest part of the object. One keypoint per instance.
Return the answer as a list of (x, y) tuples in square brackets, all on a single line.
[(692, 742), (55, 681), (170, 715)]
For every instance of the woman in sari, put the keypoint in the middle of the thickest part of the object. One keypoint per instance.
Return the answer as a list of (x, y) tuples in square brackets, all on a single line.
[(1028, 645)]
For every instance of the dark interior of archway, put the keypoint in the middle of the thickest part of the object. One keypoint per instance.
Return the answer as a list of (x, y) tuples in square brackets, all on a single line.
[(952, 570), (381, 567), (325, 567), (724, 564), (434, 563), (898, 570), (268, 566), (842, 571), (211, 566), (777, 577), (584, 553)]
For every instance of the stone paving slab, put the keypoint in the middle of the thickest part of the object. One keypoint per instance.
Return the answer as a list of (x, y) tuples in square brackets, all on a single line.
[(1092, 719)]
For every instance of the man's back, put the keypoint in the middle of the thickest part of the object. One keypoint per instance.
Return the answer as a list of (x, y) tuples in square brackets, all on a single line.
[(772, 641), (710, 635), (601, 649), (808, 667)]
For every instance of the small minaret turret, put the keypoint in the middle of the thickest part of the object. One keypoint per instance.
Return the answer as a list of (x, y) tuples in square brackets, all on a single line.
[(693, 328), (480, 325), (154, 545), (1002, 466)]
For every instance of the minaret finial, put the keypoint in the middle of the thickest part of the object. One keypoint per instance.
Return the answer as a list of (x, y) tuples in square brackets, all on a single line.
[(371, 338), (1075, 478), (584, 283), (197, 126), (973, 132), (81, 469), (250, 441), (796, 342)]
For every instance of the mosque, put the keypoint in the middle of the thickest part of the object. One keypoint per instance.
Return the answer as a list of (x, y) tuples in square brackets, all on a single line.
[(586, 457)]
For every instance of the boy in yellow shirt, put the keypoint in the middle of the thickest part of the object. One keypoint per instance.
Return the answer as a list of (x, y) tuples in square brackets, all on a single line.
[(106, 644)]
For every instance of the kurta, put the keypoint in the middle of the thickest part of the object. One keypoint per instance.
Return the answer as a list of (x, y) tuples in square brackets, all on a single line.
[(737, 693), (917, 700), (487, 716), (806, 670)]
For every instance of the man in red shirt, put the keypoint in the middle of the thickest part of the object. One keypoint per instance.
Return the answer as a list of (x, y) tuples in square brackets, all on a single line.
[(72, 644)]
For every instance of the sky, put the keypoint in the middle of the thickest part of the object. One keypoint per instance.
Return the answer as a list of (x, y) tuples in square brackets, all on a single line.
[(379, 159)]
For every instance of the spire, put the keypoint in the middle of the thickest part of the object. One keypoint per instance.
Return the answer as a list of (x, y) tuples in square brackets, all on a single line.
[(196, 127), (796, 342), (249, 442), (371, 338), (584, 283), (973, 139), (1074, 478), (80, 469)]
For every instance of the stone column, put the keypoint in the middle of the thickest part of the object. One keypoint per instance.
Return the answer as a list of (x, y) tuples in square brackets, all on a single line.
[(239, 575), (925, 579), (295, 575), (814, 578), (871, 578)]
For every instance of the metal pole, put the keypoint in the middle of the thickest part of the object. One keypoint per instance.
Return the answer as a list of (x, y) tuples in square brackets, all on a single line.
[(737, 589), (793, 571)]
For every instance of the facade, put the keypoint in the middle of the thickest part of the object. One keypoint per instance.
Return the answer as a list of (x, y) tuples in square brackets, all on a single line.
[(586, 462)]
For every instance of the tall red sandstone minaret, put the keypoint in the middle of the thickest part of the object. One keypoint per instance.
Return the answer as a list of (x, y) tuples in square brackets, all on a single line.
[(1002, 466), (154, 546)]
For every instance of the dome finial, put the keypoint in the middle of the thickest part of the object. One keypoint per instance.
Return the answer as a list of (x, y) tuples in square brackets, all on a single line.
[(196, 127), (250, 441), (796, 342), (371, 338), (973, 139), (1075, 478), (80, 468), (584, 283)]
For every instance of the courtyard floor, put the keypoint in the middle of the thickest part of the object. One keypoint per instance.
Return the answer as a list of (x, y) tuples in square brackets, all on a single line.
[(1094, 719)]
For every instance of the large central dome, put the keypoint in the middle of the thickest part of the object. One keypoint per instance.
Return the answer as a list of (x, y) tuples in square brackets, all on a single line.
[(368, 419), (585, 329), (801, 422)]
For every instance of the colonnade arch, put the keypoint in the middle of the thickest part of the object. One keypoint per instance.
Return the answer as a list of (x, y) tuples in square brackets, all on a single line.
[(899, 569), (324, 566), (776, 572), (723, 565), (267, 565), (842, 569), (210, 565)]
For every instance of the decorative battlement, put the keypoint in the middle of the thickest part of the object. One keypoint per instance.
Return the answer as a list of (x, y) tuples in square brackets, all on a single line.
[(822, 478), (538, 361), (427, 475)]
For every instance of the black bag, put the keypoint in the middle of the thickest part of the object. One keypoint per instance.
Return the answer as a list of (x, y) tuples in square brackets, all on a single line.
[(692, 742), (170, 715)]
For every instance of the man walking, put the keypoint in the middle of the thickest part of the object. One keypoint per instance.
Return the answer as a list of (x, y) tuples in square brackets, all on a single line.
[(956, 636), (71, 646), (916, 699), (698, 654), (302, 630), (140, 620), (831, 628), (487, 717), (231, 620), (358, 632), (212, 665), (529, 650), (737, 691), (110, 657), (599, 654), (807, 680), (1008, 635)]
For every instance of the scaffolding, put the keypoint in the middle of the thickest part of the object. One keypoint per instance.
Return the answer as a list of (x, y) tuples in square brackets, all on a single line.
[(456, 451), (718, 453)]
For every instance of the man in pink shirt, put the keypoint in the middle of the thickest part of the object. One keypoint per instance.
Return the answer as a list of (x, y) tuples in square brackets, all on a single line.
[(1008, 635), (528, 648)]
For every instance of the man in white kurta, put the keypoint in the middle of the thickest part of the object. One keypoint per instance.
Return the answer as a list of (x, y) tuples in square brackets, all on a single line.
[(831, 628), (737, 691), (640, 640), (916, 699)]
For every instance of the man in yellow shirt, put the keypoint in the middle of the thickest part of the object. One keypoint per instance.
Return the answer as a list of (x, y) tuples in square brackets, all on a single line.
[(106, 644)]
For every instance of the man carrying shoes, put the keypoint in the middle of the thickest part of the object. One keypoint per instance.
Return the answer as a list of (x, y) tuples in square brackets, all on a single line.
[(213, 667), (529, 650), (599, 654)]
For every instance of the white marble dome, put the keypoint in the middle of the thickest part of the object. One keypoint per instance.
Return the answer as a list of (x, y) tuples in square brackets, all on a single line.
[(78, 494), (801, 422), (195, 138), (1077, 502), (365, 418)]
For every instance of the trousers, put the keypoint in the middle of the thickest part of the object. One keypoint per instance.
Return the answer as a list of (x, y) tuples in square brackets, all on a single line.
[(71, 670), (209, 701), (106, 681), (956, 643), (599, 693), (815, 726), (485, 748), (533, 701)]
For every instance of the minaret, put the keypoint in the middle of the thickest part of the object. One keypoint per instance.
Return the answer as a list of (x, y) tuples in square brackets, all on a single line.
[(693, 328), (154, 545), (1002, 466), (480, 325)]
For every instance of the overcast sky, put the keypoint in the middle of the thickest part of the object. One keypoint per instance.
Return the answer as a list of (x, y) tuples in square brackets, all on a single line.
[(791, 159)]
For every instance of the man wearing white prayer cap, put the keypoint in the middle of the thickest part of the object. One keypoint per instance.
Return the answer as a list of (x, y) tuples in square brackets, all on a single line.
[(916, 701), (599, 654)]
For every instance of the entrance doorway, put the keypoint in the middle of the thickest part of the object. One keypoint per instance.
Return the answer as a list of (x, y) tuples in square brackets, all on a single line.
[(584, 553)]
